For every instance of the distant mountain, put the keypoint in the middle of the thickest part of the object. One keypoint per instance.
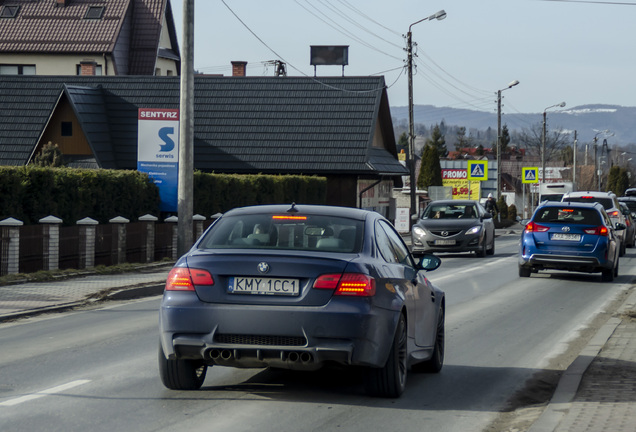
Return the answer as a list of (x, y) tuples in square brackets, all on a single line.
[(585, 119)]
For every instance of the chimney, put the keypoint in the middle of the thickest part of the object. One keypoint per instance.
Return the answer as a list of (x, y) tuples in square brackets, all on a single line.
[(87, 67), (238, 68), (61, 3)]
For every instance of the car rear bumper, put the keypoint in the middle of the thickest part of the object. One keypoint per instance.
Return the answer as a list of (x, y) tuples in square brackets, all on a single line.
[(588, 264), (347, 331)]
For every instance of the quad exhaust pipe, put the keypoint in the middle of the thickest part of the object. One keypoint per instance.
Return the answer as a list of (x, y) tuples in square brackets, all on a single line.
[(292, 357)]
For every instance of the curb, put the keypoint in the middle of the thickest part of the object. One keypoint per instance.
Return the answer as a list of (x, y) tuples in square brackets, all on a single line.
[(126, 293), (568, 386)]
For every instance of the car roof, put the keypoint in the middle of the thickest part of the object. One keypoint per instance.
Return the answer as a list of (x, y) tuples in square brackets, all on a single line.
[(325, 210), (571, 204), (595, 194), (454, 202)]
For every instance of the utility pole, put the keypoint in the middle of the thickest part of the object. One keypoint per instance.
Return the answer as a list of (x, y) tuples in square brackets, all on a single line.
[(512, 84), (409, 63), (186, 134), (574, 162)]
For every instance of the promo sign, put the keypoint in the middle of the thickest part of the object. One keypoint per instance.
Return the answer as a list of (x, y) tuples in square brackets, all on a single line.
[(457, 178), (158, 152)]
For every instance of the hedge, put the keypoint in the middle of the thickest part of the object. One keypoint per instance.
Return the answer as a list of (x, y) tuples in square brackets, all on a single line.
[(31, 193)]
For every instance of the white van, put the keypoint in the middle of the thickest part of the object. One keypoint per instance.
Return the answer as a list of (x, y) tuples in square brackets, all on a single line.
[(554, 191)]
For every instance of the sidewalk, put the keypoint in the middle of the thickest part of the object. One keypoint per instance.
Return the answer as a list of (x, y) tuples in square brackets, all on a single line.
[(597, 393), (29, 298)]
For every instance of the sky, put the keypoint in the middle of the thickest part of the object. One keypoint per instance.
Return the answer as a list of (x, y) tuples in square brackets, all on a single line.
[(575, 52)]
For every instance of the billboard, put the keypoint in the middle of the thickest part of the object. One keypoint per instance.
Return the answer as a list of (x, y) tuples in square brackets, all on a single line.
[(158, 152), (457, 179)]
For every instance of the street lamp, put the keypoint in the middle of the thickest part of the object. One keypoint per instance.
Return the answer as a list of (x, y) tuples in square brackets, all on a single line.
[(512, 84), (409, 51), (560, 105)]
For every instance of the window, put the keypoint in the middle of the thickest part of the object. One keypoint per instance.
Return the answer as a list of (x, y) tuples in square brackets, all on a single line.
[(94, 12), (9, 11), (7, 69), (67, 129)]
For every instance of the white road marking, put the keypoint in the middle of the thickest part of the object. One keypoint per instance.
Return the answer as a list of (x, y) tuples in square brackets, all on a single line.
[(47, 392)]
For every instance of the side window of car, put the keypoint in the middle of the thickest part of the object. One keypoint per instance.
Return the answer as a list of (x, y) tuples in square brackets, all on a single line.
[(401, 252), (384, 245)]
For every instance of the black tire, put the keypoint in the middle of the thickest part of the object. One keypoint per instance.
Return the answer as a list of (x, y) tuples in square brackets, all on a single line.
[(524, 271), (616, 269), (607, 275), (491, 251), (389, 381), (181, 374), (483, 251), (436, 362)]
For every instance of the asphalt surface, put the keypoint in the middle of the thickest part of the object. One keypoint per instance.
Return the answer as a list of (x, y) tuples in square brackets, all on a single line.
[(596, 393)]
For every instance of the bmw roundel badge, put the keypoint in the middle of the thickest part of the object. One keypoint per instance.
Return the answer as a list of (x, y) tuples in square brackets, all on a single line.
[(263, 267)]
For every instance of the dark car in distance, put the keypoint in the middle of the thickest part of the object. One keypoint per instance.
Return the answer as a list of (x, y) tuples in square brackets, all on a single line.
[(454, 226), (301, 287), (570, 236)]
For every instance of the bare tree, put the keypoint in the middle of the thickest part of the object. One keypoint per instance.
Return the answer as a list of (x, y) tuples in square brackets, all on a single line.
[(555, 142)]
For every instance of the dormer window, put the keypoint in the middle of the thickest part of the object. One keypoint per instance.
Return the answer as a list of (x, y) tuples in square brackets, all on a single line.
[(94, 12), (9, 11)]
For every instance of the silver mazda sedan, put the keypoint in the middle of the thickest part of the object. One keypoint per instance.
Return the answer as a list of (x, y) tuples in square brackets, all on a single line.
[(300, 287), (454, 226)]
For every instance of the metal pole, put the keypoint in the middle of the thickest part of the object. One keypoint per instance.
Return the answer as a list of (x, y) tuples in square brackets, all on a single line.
[(409, 52), (574, 162), (498, 143), (596, 163), (186, 133), (543, 151)]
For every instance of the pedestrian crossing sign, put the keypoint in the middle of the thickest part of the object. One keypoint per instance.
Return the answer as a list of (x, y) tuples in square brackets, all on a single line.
[(477, 170), (530, 175)]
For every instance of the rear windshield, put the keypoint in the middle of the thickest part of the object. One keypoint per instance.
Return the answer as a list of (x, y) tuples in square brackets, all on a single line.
[(631, 205), (608, 203), (568, 215), (296, 232), (450, 211)]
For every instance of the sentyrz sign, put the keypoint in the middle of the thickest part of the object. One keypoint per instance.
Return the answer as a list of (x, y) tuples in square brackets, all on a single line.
[(158, 152)]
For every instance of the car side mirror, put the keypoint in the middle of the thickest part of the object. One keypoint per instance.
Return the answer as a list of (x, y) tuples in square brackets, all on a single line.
[(619, 226), (428, 262), (487, 216)]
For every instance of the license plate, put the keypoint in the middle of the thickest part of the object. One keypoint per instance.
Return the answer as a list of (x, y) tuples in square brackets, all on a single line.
[(263, 286), (566, 237), (445, 242)]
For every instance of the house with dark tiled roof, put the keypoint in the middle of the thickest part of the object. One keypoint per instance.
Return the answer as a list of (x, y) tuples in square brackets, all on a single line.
[(88, 37), (336, 127)]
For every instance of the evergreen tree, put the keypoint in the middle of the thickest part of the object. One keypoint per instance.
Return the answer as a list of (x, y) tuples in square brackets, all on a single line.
[(462, 141), (505, 139), (403, 142), (430, 169), (437, 140)]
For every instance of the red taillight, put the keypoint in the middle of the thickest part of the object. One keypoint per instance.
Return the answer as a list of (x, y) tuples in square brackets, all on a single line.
[(184, 279), (349, 284), (533, 227), (599, 230), (613, 213)]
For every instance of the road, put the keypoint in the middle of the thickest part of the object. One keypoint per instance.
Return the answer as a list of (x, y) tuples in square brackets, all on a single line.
[(95, 369)]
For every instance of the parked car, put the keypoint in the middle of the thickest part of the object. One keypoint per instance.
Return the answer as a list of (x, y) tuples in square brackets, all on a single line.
[(454, 226), (630, 231), (609, 202), (300, 287), (570, 236)]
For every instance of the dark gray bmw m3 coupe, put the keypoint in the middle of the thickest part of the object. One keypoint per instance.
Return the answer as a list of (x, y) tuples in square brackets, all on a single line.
[(300, 287)]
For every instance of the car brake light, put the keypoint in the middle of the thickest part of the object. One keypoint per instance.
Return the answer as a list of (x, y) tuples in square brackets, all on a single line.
[(613, 213), (184, 279), (599, 230), (533, 227), (348, 284)]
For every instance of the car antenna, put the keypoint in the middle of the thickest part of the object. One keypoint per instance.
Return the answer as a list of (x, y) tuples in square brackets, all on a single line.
[(293, 208)]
